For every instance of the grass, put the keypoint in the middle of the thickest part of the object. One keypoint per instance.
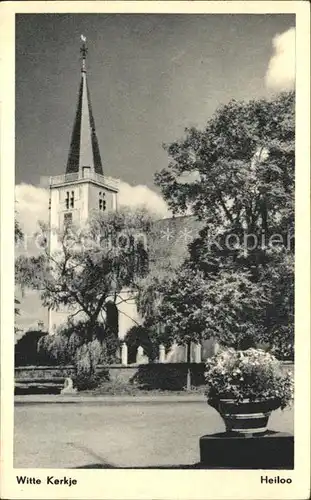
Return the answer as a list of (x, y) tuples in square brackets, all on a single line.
[(119, 388)]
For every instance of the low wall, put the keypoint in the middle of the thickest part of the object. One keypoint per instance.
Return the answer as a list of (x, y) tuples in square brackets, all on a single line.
[(116, 372), (122, 374), (149, 376), (165, 376), (44, 372)]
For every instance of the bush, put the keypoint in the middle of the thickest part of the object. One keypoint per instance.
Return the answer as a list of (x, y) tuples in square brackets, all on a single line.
[(283, 345), (139, 336), (68, 347), (116, 388), (26, 350), (55, 347), (80, 333), (86, 358), (168, 376)]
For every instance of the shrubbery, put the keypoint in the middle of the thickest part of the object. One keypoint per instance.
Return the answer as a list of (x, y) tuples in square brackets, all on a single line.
[(71, 346), (139, 336), (283, 344), (168, 376), (26, 352)]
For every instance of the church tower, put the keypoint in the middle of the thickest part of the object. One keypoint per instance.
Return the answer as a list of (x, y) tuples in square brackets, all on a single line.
[(82, 189)]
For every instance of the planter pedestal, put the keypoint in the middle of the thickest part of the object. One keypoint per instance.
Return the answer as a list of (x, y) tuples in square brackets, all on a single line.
[(271, 450)]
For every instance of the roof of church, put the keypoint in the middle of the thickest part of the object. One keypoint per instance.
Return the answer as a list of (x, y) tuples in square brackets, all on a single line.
[(171, 238), (84, 148)]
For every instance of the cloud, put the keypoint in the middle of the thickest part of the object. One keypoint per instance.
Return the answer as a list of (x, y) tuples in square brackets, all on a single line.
[(134, 196), (31, 312), (280, 74), (33, 203)]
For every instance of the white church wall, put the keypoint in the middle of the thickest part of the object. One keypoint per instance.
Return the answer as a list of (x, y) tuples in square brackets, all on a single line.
[(128, 314), (95, 193), (84, 202)]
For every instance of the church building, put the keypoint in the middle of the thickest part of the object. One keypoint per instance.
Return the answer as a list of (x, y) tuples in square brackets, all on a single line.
[(84, 189)]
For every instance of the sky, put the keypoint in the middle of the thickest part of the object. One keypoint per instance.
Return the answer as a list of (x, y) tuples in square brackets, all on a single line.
[(150, 76)]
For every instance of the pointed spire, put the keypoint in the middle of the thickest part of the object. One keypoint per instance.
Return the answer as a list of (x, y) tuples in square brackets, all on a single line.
[(84, 148), (83, 51)]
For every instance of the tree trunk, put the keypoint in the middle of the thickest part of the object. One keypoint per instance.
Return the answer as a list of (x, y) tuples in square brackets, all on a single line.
[(188, 386), (90, 326)]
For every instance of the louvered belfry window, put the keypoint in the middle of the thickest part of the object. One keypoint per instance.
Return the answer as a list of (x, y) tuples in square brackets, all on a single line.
[(102, 201)]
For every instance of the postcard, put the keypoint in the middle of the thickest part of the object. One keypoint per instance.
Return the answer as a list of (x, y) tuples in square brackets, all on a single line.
[(155, 269)]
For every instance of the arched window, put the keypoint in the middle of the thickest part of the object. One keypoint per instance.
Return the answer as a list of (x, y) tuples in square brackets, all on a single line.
[(67, 200)]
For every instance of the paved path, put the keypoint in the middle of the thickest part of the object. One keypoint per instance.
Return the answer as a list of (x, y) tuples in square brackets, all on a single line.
[(89, 398), (114, 432)]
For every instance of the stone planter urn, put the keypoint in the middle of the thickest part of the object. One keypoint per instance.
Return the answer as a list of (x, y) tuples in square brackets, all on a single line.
[(245, 417), (244, 387)]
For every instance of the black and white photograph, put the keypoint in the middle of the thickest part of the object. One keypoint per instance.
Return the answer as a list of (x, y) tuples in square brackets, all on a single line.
[(155, 235)]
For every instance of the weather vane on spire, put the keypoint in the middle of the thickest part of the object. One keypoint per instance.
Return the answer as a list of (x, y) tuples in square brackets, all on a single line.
[(83, 51)]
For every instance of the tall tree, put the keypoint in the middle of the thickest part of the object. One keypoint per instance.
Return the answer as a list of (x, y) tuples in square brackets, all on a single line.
[(91, 266), (18, 233), (237, 175), (238, 171), (18, 237)]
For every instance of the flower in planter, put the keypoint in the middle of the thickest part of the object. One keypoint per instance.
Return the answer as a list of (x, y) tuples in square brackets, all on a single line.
[(253, 375)]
